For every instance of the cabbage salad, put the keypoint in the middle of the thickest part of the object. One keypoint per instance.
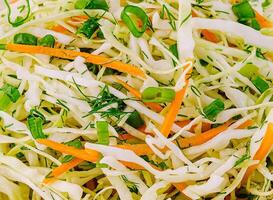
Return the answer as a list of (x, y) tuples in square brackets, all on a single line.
[(136, 99)]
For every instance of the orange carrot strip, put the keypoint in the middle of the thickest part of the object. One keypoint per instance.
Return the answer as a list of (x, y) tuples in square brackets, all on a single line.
[(174, 109), (78, 153), (70, 54), (246, 124), (60, 29), (180, 186), (210, 36), (262, 152), (203, 137), (264, 23), (62, 169), (139, 149), (154, 106)]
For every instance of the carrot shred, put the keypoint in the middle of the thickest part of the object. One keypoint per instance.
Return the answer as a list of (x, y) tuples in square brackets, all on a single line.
[(174, 109), (154, 106), (78, 153), (180, 186), (246, 124), (62, 169), (203, 137), (262, 152), (60, 29), (139, 149), (210, 36), (70, 54), (264, 23), (205, 126)]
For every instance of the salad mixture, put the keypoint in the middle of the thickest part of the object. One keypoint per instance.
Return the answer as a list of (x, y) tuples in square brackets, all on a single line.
[(136, 100)]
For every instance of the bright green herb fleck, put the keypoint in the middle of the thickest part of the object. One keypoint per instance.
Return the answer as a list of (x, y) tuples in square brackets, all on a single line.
[(4, 100), (158, 95), (135, 120), (213, 109), (89, 27), (12, 92), (47, 41), (92, 4), (249, 70), (242, 159), (245, 14), (173, 49), (102, 132), (260, 84), (35, 125), (25, 38), (19, 20), (132, 16)]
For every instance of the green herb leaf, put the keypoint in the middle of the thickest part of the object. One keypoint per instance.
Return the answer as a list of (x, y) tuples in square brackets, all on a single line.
[(92, 4), (89, 27), (47, 41), (135, 120), (173, 50), (35, 125), (4, 100), (249, 70), (25, 38), (260, 84), (19, 20), (12, 92), (158, 95), (213, 109), (102, 132), (136, 19), (242, 159)]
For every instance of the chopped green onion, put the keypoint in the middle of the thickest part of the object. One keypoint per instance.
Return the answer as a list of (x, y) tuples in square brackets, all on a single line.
[(213, 109), (158, 95), (102, 132), (89, 27), (92, 4), (131, 16), (8, 94), (47, 41), (243, 10), (260, 84), (3, 46), (19, 20), (12, 92), (246, 14), (135, 120), (25, 38), (249, 70), (4, 100), (35, 125), (75, 143), (101, 165), (173, 50)]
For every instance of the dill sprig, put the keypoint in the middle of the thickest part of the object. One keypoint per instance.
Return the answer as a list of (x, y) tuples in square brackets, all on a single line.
[(132, 186), (171, 17)]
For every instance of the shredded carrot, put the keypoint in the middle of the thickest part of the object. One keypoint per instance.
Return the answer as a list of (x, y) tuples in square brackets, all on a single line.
[(126, 136), (246, 124), (70, 54), (264, 23), (62, 169), (262, 152), (78, 153), (60, 29), (174, 109), (203, 137), (139, 149), (205, 126), (210, 36), (180, 186), (154, 106)]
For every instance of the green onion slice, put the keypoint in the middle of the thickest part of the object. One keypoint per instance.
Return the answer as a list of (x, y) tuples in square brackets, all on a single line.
[(158, 95), (136, 19), (89, 27), (92, 4), (103, 133), (243, 10), (47, 41), (25, 38), (135, 120), (260, 84), (19, 20), (12, 92), (213, 109), (249, 70), (35, 125), (4, 100)]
